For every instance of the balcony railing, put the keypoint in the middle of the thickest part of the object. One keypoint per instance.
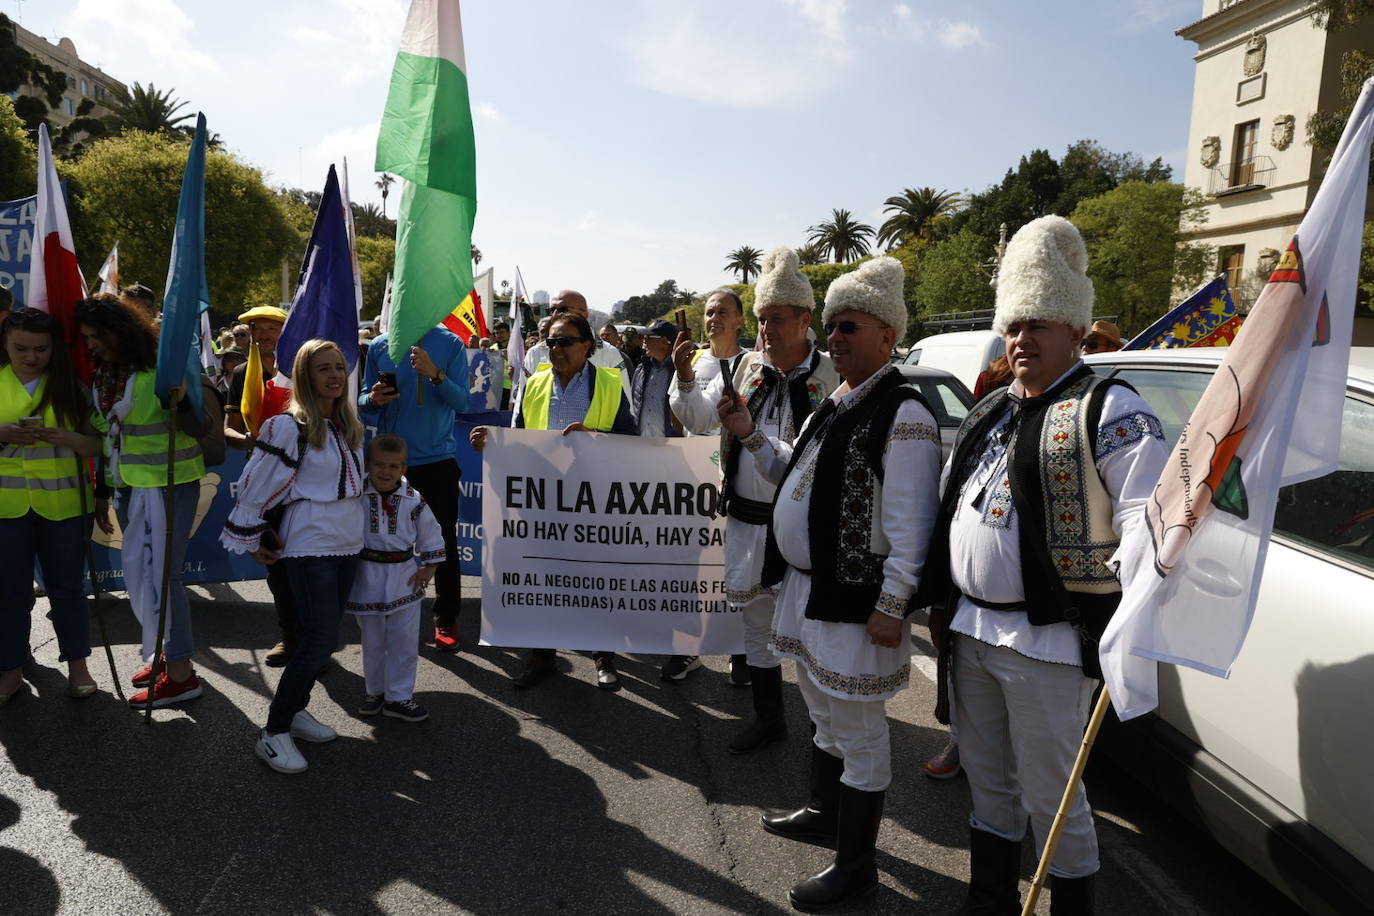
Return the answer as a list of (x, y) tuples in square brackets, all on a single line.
[(1242, 175)]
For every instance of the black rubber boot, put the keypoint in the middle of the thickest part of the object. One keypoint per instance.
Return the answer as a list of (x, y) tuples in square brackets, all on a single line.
[(816, 823), (994, 870), (769, 724), (855, 871), (1071, 896)]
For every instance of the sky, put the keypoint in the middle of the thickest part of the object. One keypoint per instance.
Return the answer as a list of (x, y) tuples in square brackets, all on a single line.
[(624, 142)]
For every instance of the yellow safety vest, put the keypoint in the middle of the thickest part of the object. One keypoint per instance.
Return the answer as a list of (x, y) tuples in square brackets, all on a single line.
[(600, 415), (40, 477), (143, 445)]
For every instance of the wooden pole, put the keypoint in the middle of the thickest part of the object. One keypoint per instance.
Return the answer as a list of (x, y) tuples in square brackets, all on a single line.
[(1052, 841), (95, 584), (169, 499)]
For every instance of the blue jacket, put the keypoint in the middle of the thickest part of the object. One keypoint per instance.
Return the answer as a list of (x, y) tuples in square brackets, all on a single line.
[(427, 428)]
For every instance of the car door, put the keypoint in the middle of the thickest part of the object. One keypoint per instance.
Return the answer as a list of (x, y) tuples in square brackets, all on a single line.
[(1292, 718)]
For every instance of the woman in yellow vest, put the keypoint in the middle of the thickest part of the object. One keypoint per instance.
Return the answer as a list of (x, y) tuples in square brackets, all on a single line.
[(123, 343), (45, 437), (570, 394)]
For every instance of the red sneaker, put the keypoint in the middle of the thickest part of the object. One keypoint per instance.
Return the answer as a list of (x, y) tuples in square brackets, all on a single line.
[(167, 692), (944, 765), (144, 676), (446, 639)]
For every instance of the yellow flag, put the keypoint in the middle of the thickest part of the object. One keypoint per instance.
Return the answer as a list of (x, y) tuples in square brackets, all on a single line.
[(251, 403)]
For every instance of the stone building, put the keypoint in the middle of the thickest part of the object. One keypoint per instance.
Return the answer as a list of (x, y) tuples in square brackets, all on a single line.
[(84, 80)]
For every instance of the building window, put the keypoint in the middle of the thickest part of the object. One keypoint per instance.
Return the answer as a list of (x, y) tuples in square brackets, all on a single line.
[(1243, 165), (99, 92), (85, 88), (68, 108), (1231, 262)]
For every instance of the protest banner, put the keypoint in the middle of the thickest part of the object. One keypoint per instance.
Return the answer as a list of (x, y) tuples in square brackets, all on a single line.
[(16, 243), (596, 541)]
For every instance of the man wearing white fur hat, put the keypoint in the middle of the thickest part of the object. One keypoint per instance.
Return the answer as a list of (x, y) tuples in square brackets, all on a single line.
[(777, 390), (851, 524), (1044, 476)]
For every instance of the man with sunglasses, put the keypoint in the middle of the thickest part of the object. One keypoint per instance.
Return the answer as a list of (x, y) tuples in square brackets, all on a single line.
[(771, 394), (571, 302), (847, 541)]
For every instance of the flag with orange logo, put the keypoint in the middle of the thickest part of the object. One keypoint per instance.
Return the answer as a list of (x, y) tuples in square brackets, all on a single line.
[(1191, 573)]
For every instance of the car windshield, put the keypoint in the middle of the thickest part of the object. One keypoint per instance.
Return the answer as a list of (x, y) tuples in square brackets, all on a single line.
[(948, 401)]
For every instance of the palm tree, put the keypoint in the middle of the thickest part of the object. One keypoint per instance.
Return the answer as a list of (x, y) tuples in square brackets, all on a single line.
[(844, 238), (148, 109), (744, 261), (384, 183), (810, 255), (368, 220), (914, 212), (476, 254)]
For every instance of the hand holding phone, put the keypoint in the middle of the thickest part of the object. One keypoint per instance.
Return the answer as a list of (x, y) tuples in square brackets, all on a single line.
[(31, 422), (680, 319), (388, 379)]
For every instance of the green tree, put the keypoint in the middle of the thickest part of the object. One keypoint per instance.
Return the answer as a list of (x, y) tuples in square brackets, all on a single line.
[(809, 254), (1137, 260), (744, 261), (368, 220), (915, 212), (384, 183), (19, 68), (645, 308), (842, 236), (18, 158), (376, 259), (148, 109), (126, 190), (953, 275)]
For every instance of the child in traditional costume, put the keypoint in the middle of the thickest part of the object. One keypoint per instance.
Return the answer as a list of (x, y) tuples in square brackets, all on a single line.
[(400, 529)]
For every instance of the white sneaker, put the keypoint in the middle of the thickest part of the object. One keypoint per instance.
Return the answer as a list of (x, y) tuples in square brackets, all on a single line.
[(308, 728), (280, 753)]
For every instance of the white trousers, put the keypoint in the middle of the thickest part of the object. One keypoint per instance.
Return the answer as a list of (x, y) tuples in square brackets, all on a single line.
[(853, 729), (391, 650), (1020, 724), (758, 626)]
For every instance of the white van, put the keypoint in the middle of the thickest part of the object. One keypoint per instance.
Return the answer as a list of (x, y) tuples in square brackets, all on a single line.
[(963, 354)]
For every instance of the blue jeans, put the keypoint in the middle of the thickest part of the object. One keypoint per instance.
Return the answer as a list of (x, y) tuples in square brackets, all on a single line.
[(60, 548), (179, 644), (321, 586)]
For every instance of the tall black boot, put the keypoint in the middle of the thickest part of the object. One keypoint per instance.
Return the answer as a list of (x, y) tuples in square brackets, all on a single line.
[(816, 823), (855, 871), (994, 870), (1071, 896), (769, 724)]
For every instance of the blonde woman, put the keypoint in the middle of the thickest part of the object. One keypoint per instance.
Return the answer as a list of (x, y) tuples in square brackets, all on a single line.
[(308, 459)]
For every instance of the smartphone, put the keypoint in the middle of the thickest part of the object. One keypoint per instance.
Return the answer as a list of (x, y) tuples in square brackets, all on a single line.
[(388, 379), (725, 375), (31, 422), (680, 319)]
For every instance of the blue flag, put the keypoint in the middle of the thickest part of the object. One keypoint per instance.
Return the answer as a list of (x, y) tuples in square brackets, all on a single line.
[(1207, 318), (178, 349), (326, 304)]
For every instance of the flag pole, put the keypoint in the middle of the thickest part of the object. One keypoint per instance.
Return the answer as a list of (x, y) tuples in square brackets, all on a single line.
[(86, 513), (1075, 776), (169, 499)]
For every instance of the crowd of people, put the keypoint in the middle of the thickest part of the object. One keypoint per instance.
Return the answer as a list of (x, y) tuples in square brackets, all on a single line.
[(842, 519)]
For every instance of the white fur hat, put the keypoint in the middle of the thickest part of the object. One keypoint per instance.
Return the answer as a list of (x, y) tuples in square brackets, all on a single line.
[(781, 282), (1044, 275), (875, 288)]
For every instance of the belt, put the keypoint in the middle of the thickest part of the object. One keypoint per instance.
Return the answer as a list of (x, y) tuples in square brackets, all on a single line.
[(749, 511), (997, 605), (386, 556)]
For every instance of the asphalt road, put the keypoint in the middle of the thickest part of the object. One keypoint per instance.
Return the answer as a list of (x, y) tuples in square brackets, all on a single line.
[(560, 799)]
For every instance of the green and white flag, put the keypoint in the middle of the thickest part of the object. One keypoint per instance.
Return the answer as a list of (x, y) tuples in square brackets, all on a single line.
[(426, 138)]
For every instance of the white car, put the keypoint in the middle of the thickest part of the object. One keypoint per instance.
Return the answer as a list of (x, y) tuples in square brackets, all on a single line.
[(949, 400), (1277, 762), (963, 354)]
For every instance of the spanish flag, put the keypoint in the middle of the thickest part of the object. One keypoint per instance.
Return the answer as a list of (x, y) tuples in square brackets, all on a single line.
[(468, 319), (251, 404)]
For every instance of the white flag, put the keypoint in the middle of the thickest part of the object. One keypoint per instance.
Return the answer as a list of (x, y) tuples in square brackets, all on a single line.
[(109, 272), (1192, 572), (515, 350)]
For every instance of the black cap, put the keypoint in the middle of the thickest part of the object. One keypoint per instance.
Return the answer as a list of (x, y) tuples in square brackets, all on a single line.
[(661, 328)]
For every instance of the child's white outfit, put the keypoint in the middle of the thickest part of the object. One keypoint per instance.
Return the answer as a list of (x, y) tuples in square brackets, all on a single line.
[(400, 529)]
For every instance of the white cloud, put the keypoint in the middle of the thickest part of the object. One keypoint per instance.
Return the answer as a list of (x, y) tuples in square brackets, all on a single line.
[(314, 36), (776, 58), (357, 144), (488, 111), (950, 34), (156, 29), (373, 31)]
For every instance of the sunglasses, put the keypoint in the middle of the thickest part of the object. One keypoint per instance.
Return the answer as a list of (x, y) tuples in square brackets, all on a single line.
[(564, 341), (559, 310), (844, 327)]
